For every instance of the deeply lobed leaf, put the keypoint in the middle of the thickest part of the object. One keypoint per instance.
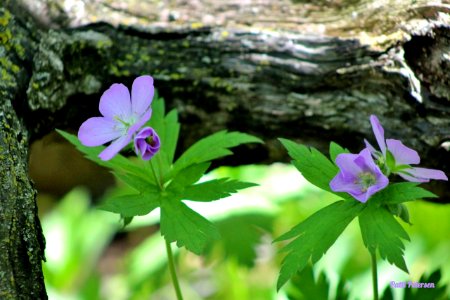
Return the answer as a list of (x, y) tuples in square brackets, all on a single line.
[(401, 192), (186, 227), (211, 147), (314, 166), (133, 204), (314, 236), (380, 231), (214, 189)]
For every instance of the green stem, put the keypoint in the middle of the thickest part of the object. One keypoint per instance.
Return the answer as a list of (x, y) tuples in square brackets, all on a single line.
[(173, 272), (374, 275), (171, 262)]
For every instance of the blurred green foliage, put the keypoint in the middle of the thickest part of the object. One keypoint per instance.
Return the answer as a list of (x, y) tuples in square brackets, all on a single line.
[(91, 256)]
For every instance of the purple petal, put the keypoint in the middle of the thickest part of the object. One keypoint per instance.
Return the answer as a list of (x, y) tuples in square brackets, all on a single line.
[(372, 150), (421, 174), (142, 93), (369, 162), (97, 131), (402, 154), (115, 147), (139, 123), (347, 165), (411, 178), (379, 133), (141, 145), (115, 102), (343, 184), (382, 182)]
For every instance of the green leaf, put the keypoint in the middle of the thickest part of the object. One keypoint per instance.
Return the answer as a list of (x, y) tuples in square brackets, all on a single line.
[(212, 147), (188, 176), (214, 189), (435, 292), (138, 183), (171, 134), (313, 165), (240, 236), (400, 210), (118, 162), (133, 204), (401, 192), (315, 235), (167, 127), (189, 229), (335, 150), (305, 286), (381, 231)]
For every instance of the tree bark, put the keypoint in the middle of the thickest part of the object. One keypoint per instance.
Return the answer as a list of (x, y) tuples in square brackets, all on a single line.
[(309, 72), (21, 239)]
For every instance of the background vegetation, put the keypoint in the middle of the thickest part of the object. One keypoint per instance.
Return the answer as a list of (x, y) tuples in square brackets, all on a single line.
[(90, 256)]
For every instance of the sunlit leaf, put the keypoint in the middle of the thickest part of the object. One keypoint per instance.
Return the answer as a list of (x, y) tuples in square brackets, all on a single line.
[(214, 189), (212, 147), (335, 150), (314, 236), (314, 166), (186, 227), (380, 231), (401, 192)]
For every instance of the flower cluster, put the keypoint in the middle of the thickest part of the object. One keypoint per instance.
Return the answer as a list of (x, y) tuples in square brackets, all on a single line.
[(362, 175), (122, 120)]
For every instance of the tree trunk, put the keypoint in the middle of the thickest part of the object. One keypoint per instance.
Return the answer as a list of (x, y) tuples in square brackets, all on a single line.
[(309, 72), (21, 240)]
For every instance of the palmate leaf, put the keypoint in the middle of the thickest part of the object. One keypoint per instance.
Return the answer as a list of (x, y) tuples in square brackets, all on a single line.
[(401, 192), (335, 150), (304, 286), (186, 227), (168, 129), (211, 147), (188, 176), (314, 166), (133, 204), (380, 231), (314, 236), (214, 189)]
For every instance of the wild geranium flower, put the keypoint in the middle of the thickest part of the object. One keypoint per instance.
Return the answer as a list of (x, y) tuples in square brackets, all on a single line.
[(122, 116), (396, 158), (146, 143), (358, 175)]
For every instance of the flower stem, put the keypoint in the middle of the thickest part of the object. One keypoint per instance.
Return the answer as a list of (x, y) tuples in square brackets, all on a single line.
[(374, 275), (173, 272)]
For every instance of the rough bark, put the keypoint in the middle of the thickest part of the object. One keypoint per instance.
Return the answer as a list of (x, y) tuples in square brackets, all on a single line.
[(303, 71), (21, 239)]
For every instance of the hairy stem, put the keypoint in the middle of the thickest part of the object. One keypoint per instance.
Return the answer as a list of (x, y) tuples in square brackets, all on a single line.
[(374, 275), (173, 272)]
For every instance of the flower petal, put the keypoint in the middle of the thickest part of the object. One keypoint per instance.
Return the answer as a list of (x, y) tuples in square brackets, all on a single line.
[(370, 147), (421, 174), (411, 178), (403, 155), (142, 93), (142, 147), (379, 133), (115, 103), (342, 184), (115, 147), (97, 131), (139, 123), (347, 165)]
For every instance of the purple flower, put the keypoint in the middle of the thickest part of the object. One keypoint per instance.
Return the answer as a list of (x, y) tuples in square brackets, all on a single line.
[(358, 175), (122, 116), (397, 158), (146, 143)]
